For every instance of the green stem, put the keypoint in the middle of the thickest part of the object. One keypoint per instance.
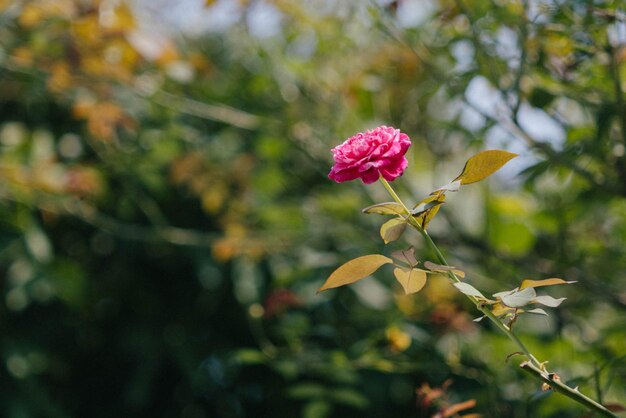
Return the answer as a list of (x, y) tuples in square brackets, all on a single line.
[(393, 194), (532, 365), (572, 393), (485, 311)]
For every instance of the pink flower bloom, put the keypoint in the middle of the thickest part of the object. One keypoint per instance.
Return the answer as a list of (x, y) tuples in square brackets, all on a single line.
[(371, 154)]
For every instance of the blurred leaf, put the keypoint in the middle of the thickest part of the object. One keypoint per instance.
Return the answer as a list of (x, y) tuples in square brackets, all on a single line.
[(69, 283), (306, 391), (38, 244), (249, 356), (288, 369), (483, 164), (386, 208), (412, 280), (545, 282), (349, 397), (398, 339), (511, 237), (393, 229), (355, 270), (456, 408), (317, 409), (541, 98)]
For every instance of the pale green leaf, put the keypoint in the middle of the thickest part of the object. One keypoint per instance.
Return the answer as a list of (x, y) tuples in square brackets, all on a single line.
[(483, 164), (412, 280), (392, 229), (468, 289), (355, 270), (519, 298), (386, 208), (546, 282), (537, 311), (349, 397), (549, 301), (422, 207), (499, 295), (453, 186)]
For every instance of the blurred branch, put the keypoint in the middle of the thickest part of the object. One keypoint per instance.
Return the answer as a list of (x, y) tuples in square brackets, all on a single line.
[(619, 102), (89, 214), (92, 216), (522, 64), (588, 279), (515, 129), (214, 112), (510, 124), (144, 202)]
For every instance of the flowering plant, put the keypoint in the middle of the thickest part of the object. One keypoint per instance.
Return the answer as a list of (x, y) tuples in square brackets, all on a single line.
[(379, 154)]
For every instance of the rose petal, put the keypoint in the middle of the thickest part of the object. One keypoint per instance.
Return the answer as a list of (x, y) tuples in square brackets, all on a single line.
[(344, 175), (394, 169), (370, 176)]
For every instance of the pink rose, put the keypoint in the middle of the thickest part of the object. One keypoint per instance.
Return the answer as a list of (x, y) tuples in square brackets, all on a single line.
[(371, 154)]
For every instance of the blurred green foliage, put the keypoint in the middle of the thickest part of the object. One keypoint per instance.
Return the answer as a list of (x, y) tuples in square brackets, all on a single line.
[(166, 219)]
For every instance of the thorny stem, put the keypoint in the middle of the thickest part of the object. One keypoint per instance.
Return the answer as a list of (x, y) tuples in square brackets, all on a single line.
[(533, 365), (572, 393)]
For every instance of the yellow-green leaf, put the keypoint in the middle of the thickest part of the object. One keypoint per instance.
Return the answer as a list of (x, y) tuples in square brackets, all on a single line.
[(392, 229), (499, 309), (386, 208), (547, 282), (484, 164), (431, 204), (355, 270), (412, 280)]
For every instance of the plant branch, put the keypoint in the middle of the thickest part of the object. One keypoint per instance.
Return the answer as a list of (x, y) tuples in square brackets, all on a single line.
[(572, 393), (533, 365)]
